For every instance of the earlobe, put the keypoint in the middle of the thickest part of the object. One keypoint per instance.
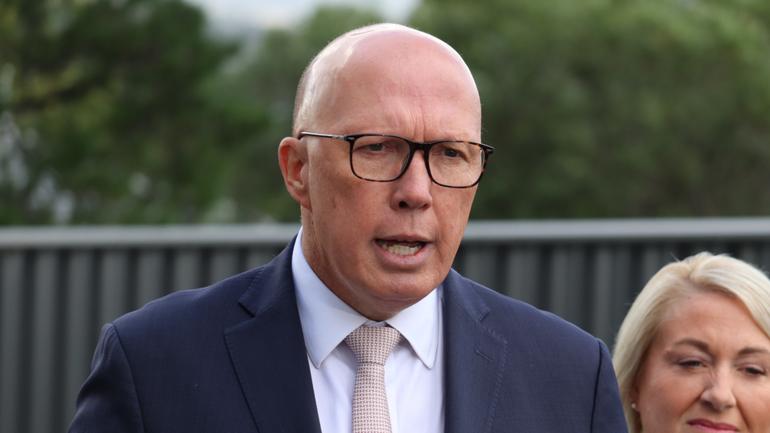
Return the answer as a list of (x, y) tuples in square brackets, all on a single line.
[(634, 397), (292, 158)]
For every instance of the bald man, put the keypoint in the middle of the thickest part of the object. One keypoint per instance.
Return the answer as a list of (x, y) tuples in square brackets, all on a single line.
[(384, 162)]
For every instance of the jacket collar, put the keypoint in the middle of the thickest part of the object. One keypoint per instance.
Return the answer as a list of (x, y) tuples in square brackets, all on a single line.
[(268, 353), (279, 389), (475, 359)]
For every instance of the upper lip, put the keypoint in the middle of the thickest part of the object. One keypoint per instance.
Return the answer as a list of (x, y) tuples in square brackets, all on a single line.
[(405, 238), (712, 424)]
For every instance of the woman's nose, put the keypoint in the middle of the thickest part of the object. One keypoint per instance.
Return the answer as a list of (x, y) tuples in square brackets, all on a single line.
[(718, 393)]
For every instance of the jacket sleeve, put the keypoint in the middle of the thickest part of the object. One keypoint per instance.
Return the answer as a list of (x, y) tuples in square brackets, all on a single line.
[(108, 400), (608, 415)]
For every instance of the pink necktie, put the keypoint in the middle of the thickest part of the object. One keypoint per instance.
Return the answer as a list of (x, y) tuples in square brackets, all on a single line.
[(371, 346)]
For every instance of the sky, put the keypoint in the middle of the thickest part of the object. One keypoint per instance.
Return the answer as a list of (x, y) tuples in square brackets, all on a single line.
[(232, 17)]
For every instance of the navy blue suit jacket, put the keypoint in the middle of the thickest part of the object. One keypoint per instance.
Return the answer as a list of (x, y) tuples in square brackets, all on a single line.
[(231, 358)]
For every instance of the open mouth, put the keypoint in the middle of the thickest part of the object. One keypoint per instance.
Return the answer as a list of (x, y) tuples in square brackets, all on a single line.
[(401, 248)]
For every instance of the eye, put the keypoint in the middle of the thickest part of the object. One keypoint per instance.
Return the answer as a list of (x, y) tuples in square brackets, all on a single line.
[(376, 145), (451, 153), (690, 363), (754, 370)]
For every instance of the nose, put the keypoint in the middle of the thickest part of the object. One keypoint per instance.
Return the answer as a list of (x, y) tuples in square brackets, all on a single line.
[(718, 393), (413, 188)]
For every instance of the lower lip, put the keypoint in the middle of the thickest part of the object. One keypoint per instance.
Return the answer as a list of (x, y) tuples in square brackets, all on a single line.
[(407, 261), (707, 429)]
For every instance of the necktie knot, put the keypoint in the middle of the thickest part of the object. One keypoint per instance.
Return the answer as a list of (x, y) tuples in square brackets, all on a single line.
[(373, 344)]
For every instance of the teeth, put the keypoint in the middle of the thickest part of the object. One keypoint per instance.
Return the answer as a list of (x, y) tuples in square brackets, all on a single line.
[(401, 249)]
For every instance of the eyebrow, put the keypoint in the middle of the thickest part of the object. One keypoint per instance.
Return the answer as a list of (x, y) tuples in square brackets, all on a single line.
[(753, 351), (704, 347), (698, 344)]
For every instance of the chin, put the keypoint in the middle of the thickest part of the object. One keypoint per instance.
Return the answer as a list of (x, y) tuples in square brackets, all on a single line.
[(407, 297)]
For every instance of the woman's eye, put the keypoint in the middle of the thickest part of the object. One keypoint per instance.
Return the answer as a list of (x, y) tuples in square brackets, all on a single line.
[(754, 371), (690, 363)]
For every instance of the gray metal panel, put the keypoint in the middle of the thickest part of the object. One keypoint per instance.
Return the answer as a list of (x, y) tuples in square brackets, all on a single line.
[(623, 266), (765, 256), (150, 274), (44, 358), (478, 264), (712, 246), (186, 269), (743, 229), (521, 274), (567, 275), (656, 229), (258, 256), (750, 253), (222, 264), (178, 236), (653, 258), (113, 285), (11, 359), (79, 332), (588, 271), (605, 292)]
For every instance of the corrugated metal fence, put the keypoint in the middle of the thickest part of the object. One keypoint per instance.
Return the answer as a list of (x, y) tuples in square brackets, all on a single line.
[(59, 285)]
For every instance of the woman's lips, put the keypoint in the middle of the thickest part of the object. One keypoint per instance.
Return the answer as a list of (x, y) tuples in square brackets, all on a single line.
[(711, 426)]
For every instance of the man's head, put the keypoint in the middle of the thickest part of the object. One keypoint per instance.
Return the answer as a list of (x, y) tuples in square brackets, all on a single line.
[(380, 246)]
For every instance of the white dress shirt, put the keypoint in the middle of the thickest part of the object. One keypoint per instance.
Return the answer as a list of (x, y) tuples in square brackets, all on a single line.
[(414, 378)]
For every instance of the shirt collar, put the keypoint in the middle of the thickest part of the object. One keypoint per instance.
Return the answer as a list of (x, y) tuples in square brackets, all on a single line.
[(326, 320)]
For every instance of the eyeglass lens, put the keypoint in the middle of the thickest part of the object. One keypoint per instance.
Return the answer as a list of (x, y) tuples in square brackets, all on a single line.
[(452, 163)]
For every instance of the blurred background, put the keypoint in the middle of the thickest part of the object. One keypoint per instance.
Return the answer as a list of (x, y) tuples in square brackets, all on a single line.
[(167, 111), (138, 147)]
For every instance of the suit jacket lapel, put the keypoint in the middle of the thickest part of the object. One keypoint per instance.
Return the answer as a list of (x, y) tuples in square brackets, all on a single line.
[(475, 358), (269, 356)]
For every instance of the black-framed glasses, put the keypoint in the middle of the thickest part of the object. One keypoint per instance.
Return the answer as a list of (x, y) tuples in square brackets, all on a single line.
[(385, 158)]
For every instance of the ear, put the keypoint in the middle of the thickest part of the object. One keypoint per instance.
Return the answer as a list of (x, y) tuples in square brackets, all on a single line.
[(292, 158)]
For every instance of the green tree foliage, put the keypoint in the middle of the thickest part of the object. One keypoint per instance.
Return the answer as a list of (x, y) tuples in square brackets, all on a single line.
[(122, 110), (107, 112), (617, 108), (270, 79)]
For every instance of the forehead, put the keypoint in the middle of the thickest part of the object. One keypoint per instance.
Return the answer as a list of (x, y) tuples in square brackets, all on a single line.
[(392, 77), (712, 316), (696, 302), (384, 46)]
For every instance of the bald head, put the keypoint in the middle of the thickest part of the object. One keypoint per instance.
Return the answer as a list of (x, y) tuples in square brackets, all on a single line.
[(383, 57)]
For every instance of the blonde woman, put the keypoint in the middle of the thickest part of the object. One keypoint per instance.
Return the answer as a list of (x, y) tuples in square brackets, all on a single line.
[(693, 353)]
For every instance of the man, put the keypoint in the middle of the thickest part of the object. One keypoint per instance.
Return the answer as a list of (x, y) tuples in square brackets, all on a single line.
[(384, 163)]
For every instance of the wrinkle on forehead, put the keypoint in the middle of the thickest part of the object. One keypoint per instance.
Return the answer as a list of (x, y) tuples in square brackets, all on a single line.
[(388, 54)]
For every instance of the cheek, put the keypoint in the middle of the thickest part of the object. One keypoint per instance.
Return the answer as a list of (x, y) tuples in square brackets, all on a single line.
[(665, 398), (329, 188), (453, 209), (754, 405), (344, 209)]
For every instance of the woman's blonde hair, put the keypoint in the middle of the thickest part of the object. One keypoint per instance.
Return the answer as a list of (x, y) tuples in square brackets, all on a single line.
[(700, 272)]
